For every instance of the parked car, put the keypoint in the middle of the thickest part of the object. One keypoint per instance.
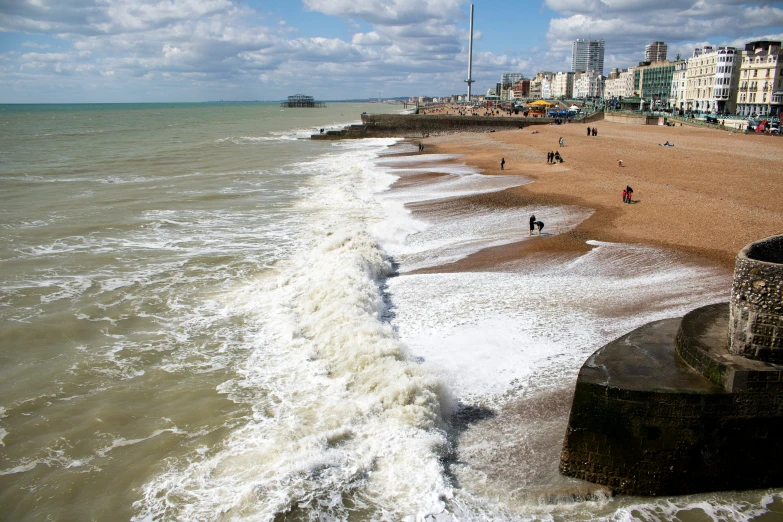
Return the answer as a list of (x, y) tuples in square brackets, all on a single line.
[(774, 127)]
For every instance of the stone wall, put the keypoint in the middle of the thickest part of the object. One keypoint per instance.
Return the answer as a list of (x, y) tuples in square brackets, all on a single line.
[(756, 320), (636, 119), (643, 423), (419, 125), (658, 443), (439, 124)]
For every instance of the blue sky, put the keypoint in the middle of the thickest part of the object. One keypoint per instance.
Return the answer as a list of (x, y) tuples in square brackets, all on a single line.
[(59, 51)]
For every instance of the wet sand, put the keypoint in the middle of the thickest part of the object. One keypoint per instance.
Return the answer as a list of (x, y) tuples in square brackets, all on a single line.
[(705, 198)]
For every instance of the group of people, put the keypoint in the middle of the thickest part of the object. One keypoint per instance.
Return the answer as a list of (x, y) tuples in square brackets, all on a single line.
[(421, 147), (627, 194), (535, 223), (554, 157), (592, 131)]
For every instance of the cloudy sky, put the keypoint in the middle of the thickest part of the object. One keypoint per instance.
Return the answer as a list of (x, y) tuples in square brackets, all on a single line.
[(57, 51)]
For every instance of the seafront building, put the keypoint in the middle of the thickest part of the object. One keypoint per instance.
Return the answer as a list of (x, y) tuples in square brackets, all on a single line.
[(541, 84), (588, 55), (588, 84), (615, 85), (679, 85), (510, 78), (563, 85), (760, 91), (712, 79), (653, 82)]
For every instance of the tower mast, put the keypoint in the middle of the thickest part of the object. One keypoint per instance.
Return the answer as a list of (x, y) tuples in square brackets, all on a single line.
[(470, 79)]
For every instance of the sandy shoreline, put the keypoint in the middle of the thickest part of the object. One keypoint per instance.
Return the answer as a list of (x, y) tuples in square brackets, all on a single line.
[(706, 198)]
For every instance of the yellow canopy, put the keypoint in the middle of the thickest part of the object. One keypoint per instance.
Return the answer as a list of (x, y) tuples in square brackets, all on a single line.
[(540, 103)]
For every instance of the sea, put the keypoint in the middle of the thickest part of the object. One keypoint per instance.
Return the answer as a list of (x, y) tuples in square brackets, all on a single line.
[(205, 315)]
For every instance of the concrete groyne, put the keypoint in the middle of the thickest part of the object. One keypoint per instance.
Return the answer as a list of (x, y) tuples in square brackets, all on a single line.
[(419, 125)]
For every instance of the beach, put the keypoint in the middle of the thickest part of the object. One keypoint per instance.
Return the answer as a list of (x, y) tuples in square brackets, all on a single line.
[(600, 268), (708, 196)]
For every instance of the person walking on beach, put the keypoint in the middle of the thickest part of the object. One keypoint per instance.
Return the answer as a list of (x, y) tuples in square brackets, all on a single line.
[(588, 130), (595, 131), (629, 192), (532, 223), (561, 141), (625, 196), (502, 163), (550, 156)]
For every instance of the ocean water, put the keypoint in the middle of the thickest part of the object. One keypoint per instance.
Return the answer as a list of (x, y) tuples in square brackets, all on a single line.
[(205, 317)]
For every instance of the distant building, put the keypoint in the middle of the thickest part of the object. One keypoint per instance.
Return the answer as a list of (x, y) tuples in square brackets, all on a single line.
[(712, 79), (761, 79), (679, 84), (588, 55), (521, 89), (653, 83), (588, 84), (563, 85), (540, 84), (614, 85), (655, 52), (510, 78)]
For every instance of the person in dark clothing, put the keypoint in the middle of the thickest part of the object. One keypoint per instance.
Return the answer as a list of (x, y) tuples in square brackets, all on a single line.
[(558, 157), (540, 225), (589, 130), (549, 156), (532, 224), (629, 192), (502, 163)]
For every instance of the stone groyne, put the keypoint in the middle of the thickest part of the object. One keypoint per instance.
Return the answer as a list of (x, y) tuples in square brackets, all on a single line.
[(420, 125), (688, 405)]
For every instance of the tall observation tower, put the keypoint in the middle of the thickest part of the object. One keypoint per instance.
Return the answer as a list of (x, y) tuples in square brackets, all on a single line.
[(470, 79)]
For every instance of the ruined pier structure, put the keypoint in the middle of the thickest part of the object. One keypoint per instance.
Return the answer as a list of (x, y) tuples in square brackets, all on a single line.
[(691, 404)]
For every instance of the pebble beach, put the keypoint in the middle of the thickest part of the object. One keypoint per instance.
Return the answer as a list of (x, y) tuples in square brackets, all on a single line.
[(706, 197)]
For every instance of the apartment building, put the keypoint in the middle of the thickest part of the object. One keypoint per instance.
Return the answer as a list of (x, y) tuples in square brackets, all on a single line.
[(588, 55), (760, 91), (712, 80), (653, 82), (655, 52), (563, 85), (510, 78), (521, 90), (614, 87), (541, 83), (679, 85), (588, 84)]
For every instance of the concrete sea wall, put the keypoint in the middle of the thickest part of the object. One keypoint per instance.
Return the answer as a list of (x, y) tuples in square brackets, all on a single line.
[(419, 125), (643, 423), (634, 119)]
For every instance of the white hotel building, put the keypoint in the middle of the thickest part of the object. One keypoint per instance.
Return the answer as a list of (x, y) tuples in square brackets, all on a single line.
[(712, 80)]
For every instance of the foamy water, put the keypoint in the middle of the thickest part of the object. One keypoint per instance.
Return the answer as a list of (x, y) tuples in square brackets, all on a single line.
[(223, 322)]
